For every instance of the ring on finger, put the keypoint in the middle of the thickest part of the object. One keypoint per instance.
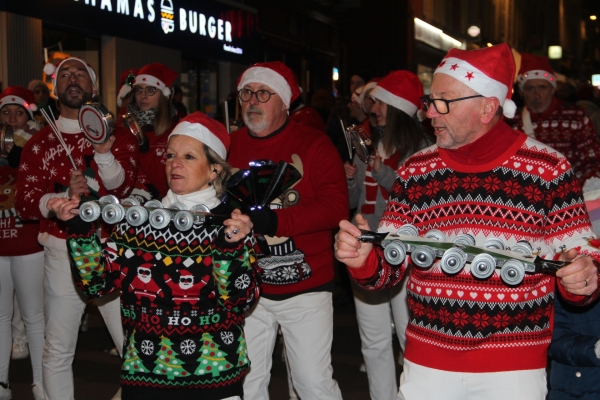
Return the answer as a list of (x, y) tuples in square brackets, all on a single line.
[(235, 231)]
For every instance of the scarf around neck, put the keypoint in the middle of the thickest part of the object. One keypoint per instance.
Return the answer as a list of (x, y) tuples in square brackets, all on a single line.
[(208, 197)]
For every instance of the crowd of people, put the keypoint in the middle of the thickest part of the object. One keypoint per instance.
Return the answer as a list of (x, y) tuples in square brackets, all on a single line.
[(196, 313)]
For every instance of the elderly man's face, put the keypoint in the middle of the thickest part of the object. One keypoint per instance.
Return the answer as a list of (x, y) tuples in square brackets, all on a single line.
[(462, 124), (263, 119), (538, 94)]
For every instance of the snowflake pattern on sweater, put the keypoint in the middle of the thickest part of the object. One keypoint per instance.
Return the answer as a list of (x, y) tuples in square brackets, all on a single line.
[(458, 322), (183, 297), (567, 128)]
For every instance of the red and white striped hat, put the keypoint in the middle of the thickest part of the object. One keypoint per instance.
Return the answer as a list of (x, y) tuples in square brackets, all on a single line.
[(489, 71)]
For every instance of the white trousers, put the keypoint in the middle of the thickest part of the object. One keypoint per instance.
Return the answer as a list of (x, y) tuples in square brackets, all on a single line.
[(306, 322), (22, 275), (375, 327), (421, 383), (18, 326), (64, 306)]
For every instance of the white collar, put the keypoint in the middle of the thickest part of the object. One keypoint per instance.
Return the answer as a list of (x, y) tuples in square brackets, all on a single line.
[(67, 125), (208, 197)]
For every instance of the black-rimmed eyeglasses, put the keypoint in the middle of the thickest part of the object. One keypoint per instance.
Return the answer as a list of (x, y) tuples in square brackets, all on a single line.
[(261, 95), (442, 106)]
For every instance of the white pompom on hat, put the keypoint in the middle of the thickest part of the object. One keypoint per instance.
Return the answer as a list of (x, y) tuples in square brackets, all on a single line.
[(52, 69), (535, 67), (400, 89), (20, 96), (157, 75), (205, 129), (276, 75), (489, 71)]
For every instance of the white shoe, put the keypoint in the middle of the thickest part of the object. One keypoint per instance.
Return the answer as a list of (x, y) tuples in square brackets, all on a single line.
[(5, 393), (38, 391), (20, 349), (117, 395)]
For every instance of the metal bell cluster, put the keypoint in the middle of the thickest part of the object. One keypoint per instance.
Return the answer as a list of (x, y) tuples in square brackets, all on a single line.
[(112, 211), (454, 258)]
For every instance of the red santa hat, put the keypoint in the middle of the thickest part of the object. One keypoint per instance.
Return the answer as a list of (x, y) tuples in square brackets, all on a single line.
[(20, 96), (489, 71), (158, 75), (535, 67), (205, 129), (368, 87), (51, 69), (185, 272), (274, 74), (400, 89), (126, 83)]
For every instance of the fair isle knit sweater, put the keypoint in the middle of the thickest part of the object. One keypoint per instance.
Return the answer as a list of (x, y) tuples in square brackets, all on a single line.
[(504, 185), (183, 298)]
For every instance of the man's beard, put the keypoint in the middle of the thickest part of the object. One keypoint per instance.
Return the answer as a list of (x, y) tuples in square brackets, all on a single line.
[(74, 103), (254, 125)]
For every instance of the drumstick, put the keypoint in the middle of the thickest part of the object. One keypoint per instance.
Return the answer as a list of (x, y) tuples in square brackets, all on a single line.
[(52, 123), (348, 143), (226, 111)]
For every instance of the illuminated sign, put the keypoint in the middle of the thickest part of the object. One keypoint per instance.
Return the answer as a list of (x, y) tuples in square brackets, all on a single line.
[(435, 37), (596, 80), (189, 20)]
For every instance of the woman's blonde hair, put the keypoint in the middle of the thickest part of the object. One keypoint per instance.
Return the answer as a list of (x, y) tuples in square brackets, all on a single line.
[(214, 158)]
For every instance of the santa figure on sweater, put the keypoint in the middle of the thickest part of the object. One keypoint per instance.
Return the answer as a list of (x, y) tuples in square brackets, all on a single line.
[(186, 291), (144, 286)]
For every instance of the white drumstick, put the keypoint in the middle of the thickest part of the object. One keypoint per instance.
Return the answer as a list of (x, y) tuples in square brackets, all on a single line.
[(52, 122)]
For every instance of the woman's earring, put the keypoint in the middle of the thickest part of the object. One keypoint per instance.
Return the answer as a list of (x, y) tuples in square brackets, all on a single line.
[(210, 183)]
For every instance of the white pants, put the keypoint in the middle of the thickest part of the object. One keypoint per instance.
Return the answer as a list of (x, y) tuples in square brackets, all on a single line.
[(64, 306), (22, 275), (422, 383), (375, 328), (307, 325), (18, 326)]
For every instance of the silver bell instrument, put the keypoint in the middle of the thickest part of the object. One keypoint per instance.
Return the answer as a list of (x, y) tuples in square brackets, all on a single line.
[(6, 138), (113, 211), (361, 142), (96, 122)]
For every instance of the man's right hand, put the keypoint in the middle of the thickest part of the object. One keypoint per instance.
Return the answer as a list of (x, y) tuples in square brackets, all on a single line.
[(348, 249), (351, 170), (78, 184), (64, 209)]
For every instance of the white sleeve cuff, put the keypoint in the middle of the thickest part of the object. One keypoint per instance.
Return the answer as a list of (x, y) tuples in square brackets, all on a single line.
[(597, 349), (111, 172), (44, 202)]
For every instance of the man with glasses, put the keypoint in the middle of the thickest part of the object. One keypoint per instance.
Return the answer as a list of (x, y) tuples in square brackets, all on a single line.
[(297, 278), (472, 338), (566, 127)]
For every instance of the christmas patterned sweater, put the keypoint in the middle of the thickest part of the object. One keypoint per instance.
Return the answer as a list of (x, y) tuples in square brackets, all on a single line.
[(505, 185), (567, 128), (45, 168), (301, 257), (183, 297)]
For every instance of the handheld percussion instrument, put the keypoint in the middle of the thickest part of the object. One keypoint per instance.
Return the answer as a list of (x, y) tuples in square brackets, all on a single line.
[(513, 262), (6, 137), (129, 121), (112, 211), (361, 142), (96, 122)]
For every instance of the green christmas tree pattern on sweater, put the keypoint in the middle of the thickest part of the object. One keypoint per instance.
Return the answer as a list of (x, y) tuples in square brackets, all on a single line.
[(242, 351), (212, 360), (132, 363), (85, 256), (167, 362)]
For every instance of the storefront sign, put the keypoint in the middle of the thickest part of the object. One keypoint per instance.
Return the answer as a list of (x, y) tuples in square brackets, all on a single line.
[(173, 23)]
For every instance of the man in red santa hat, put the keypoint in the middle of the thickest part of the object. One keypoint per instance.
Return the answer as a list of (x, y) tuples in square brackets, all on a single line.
[(566, 127), (297, 278), (471, 338)]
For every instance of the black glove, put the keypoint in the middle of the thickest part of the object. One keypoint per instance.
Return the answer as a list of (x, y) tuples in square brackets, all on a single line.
[(265, 221)]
